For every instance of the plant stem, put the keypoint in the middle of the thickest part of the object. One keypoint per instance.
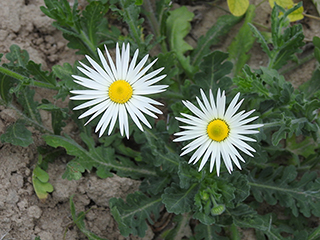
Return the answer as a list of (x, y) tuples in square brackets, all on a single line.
[(315, 234), (154, 23), (311, 16), (260, 25), (22, 78), (89, 44), (301, 62), (258, 5), (31, 121), (235, 234)]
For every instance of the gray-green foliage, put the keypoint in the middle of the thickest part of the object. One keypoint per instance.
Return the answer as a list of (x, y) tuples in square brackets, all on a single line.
[(214, 205)]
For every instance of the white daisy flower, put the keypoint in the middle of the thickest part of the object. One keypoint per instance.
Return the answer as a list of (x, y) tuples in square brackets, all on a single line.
[(216, 131), (118, 89)]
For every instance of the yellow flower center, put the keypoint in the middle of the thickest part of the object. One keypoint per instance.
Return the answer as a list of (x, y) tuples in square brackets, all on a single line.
[(120, 91), (218, 130)]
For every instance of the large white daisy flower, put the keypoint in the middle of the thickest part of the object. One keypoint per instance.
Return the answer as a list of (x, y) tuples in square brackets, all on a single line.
[(118, 89), (216, 131)]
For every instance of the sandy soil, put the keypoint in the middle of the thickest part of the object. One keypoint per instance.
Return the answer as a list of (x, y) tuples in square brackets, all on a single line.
[(23, 216)]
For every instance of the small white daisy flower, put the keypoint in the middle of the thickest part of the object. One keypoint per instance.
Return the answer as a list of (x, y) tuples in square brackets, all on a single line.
[(216, 131), (118, 89)]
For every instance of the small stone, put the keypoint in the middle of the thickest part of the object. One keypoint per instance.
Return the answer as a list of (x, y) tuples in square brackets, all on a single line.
[(16, 180), (22, 205), (12, 197), (3, 35), (34, 212)]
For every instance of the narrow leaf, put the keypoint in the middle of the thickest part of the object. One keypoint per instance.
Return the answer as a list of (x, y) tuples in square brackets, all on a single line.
[(242, 43)]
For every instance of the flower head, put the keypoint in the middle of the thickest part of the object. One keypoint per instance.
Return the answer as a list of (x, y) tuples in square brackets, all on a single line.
[(216, 131), (117, 90)]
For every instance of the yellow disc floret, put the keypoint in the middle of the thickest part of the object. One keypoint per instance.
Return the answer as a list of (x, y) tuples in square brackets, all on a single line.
[(120, 91), (218, 130)]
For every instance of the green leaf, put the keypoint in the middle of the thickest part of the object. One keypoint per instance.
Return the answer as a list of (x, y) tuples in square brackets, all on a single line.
[(208, 232), (280, 185), (42, 175), (158, 151), (238, 7), (286, 39), (178, 200), (131, 16), (181, 228), (103, 159), (213, 35), (242, 43), (187, 175), (25, 98), (212, 72), (82, 29), (17, 57), (168, 61), (92, 17), (178, 26), (312, 86), (40, 183), (78, 219), (65, 73), (40, 75), (17, 134), (57, 116), (245, 217), (131, 215), (155, 185), (260, 39), (6, 83)]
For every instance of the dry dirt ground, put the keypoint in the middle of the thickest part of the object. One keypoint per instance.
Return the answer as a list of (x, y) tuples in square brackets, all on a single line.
[(22, 215)]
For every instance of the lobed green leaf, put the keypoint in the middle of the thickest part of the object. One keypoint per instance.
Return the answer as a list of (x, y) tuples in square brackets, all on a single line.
[(131, 215), (178, 26), (280, 185), (17, 134), (103, 159), (223, 25), (178, 200), (213, 72)]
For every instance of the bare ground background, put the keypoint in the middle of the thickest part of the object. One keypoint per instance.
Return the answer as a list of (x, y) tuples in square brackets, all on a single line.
[(22, 215)]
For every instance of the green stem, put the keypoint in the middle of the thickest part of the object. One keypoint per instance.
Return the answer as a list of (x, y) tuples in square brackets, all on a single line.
[(213, 201), (154, 23), (89, 44), (147, 4), (315, 235), (271, 124), (260, 25), (31, 121), (300, 62), (235, 234), (258, 5), (133, 30), (279, 123), (22, 78)]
